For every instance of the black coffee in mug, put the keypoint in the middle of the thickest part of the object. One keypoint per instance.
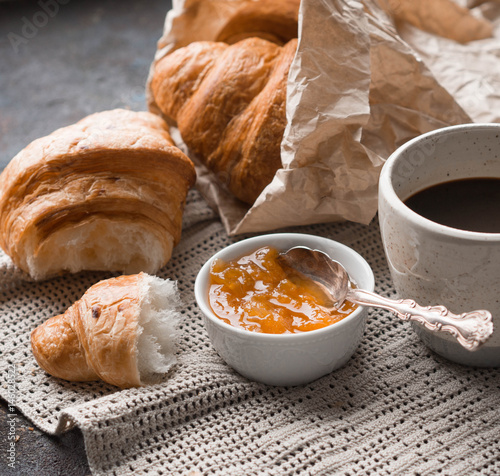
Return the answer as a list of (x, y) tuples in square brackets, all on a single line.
[(471, 204)]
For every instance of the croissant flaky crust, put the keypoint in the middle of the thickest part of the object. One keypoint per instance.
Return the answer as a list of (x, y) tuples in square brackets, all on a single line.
[(122, 331), (273, 20), (106, 193), (229, 104)]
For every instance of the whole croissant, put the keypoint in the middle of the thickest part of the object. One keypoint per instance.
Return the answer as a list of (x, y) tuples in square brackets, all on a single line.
[(229, 105), (106, 193), (122, 331)]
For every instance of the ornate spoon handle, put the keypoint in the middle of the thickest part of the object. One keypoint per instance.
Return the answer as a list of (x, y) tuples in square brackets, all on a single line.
[(471, 329)]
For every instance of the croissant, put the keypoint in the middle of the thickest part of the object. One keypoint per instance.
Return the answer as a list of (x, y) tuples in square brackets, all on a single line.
[(441, 17), (123, 331), (273, 20), (106, 193), (229, 105)]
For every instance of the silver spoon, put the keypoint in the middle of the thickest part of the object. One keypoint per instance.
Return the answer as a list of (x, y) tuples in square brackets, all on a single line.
[(471, 329)]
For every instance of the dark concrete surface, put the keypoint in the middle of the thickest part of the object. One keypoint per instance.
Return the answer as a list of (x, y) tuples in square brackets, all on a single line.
[(37, 453), (89, 56), (61, 60)]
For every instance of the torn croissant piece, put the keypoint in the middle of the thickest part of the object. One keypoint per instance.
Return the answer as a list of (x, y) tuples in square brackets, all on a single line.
[(123, 331), (229, 105), (106, 193)]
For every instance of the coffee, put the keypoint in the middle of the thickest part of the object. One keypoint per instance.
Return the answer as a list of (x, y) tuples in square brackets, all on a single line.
[(468, 204)]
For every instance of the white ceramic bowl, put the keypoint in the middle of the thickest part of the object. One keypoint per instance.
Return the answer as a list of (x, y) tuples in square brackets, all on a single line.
[(287, 359)]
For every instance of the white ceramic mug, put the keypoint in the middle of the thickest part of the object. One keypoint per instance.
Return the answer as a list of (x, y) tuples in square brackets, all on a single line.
[(436, 264)]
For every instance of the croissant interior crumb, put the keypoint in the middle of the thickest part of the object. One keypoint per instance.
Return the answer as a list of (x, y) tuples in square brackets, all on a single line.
[(157, 329), (100, 244)]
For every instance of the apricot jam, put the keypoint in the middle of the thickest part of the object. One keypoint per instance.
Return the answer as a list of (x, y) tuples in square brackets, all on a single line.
[(255, 293)]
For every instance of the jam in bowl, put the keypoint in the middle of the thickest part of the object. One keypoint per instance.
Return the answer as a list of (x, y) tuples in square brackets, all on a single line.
[(270, 327)]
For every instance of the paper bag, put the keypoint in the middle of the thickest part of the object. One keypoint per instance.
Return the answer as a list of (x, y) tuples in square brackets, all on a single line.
[(357, 90)]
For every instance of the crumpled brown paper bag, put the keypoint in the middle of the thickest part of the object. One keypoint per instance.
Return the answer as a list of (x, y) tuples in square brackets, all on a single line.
[(359, 87)]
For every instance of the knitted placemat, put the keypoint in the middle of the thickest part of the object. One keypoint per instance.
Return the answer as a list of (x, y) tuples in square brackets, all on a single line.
[(394, 408)]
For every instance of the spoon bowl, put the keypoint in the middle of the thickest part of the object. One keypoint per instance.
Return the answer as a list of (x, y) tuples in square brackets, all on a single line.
[(471, 329), (327, 273)]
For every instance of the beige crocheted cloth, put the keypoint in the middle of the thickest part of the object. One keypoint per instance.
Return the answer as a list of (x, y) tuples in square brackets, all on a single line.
[(395, 408)]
